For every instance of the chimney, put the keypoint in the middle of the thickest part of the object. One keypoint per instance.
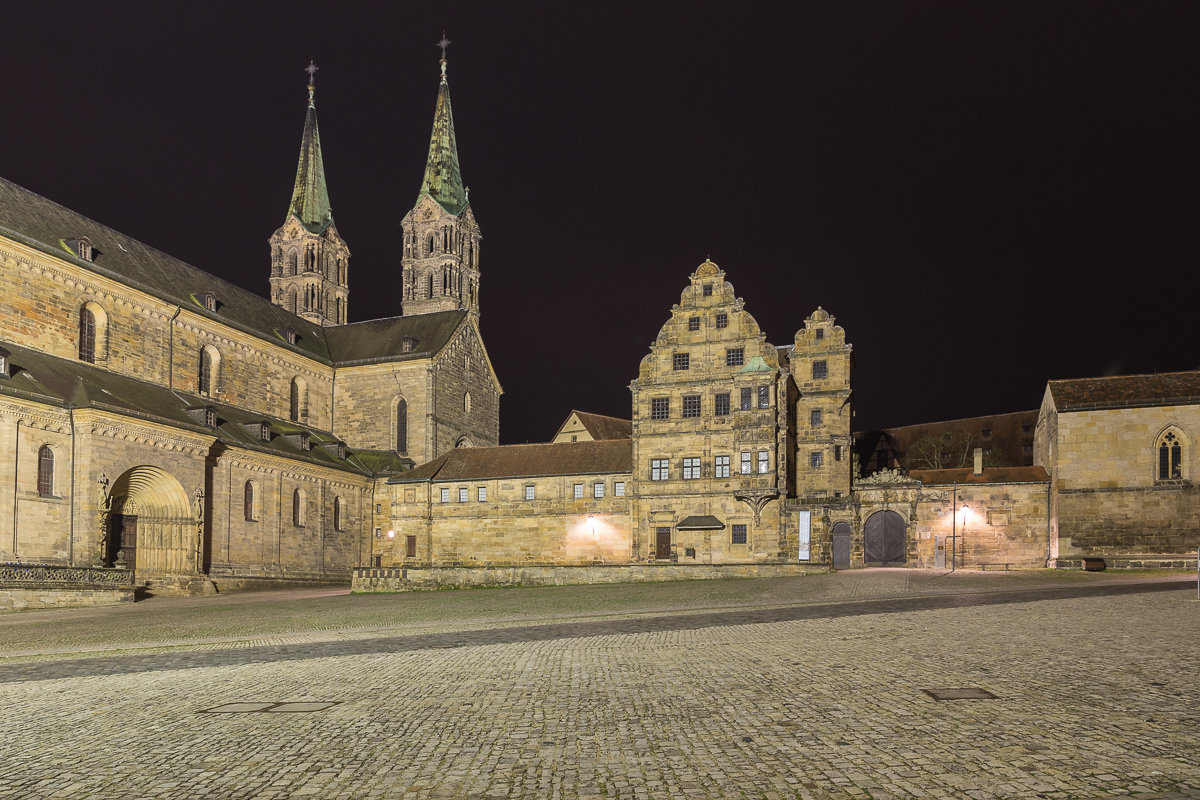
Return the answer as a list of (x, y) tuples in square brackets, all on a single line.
[(978, 460)]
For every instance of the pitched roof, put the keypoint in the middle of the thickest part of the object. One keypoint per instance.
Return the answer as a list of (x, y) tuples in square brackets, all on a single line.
[(938, 477), (383, 339), (73, 384), (1126, 391), (310, 197), (602, 427), (443, 179), (32, 219), (525, 461)]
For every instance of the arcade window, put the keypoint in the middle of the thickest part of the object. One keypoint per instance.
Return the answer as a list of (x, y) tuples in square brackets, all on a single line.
[(691, 405)]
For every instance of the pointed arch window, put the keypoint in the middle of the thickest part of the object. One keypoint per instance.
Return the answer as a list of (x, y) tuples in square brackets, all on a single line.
[(1170, 456), (402, 426), (87, 336), (45, 474), (429, 289), (249, 500)]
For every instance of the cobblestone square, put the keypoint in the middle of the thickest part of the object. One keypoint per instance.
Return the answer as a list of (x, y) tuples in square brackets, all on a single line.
[(750, 689)]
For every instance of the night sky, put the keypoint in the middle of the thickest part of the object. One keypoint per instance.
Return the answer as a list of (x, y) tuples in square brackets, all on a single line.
[(985, 195)]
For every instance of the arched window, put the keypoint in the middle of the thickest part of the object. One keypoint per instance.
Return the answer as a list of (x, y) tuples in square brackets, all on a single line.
[(291, 301), (298, 508), (1170, 456), (338, 515), (402, 426), (294, 404), (249, 502), (292, 263), (45, 471), (429, 288), (87, 336), (467, 403), (206, 371)]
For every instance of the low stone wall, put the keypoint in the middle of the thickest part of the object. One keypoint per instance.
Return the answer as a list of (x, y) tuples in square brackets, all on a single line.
[(30, 586), (25, 599), (1132, 562), (396, 579)]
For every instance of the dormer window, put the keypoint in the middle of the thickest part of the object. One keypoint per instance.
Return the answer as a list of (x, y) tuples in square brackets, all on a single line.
[(207, 299), (81, 247), (287, 334), (299, 439), (341, 448), (406, 346), (5, 363), (264, 432), (210, 417)]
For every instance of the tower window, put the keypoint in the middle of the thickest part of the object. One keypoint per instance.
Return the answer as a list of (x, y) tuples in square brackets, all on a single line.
[(693, 323), (722, 320), (680, 361), (294, 403), (691, 405), (660, 408), (45, 472), (721, 404), (735, 357), (206, 369), (819, 370)]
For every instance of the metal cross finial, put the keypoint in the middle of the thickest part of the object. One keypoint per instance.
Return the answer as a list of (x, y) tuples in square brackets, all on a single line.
[(311, 69), (444, 43)]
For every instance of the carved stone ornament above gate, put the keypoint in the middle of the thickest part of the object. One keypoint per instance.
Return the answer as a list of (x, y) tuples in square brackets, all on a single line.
[(757, 499), (885, 477)]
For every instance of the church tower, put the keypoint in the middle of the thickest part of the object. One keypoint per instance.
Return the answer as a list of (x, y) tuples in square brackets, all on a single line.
[(441, 239), (309, 261)]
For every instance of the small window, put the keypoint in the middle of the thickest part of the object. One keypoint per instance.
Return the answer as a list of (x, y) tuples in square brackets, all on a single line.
[(597, 490), (722, 320), (481, 494), (45, 472), (820, 370), (248, 501), (660, 408), (1027, 448), (820, 333), (406, 346), (680, 361), (210, 301), (693, 323), (735, 357), (574, 437), (378, 508), (410, 546), (837, 452), (579, 491), (987, 433), (210, 418), (721, 467), (462, 495), (530, 493), (764, 397), (691, 405), (764, 461), (816, 459), (619, 489), (1026, 429), (739, 534), (746, 463), (691, 469), (708, 290), (721, 405), (290, 334), (445, 495), (658, 469), (814, 417), (747, 399), (264, 432)]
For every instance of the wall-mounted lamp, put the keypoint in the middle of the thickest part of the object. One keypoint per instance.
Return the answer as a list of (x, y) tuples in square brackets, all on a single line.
[(391, 534)]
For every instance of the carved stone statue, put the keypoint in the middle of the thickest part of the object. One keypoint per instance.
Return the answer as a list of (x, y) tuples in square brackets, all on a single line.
[(198, 506), (103, 499)]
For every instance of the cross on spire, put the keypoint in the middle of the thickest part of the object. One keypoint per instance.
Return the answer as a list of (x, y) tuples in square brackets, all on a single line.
[(444, 43), (311, 69)]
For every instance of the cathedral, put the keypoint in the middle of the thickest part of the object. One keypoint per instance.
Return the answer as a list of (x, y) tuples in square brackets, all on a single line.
[(160, 420)]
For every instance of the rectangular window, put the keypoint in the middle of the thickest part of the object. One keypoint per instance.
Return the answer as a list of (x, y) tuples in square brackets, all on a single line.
[(530, 493), (579, 491), (739, 534), (619, 489), (1027, 448), (816, 459), (722, 320), (819, 370), (746, 464), (721, 405), (1026, 429), (660, 407), (691, 405), (680, 361), (597, 490), (481, 494), (410, 547), (708, 290), (820, 333), (735, 357), (764, 397), (721, 467), (747, 399), (658, 469), (837, 452), (445, 495), (462, 495), (691, 469), (693, 323), (814, 417), (764, 461)]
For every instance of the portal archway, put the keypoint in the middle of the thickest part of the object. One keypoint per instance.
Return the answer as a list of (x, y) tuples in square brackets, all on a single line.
[(152, 527)]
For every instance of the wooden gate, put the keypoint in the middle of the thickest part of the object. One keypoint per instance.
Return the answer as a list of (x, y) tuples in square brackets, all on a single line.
[(841, 546), (123, 539), (662, 549), (883, 539)]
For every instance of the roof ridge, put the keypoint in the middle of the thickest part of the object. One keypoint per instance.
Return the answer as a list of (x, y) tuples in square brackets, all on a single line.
[(1135, 375), (602, 416)]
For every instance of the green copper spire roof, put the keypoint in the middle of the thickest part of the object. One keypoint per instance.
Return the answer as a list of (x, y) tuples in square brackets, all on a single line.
[(310, 198), (443, 180)]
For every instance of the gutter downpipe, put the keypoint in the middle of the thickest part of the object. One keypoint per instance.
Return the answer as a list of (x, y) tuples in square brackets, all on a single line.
[(171, 347), (74, 475)]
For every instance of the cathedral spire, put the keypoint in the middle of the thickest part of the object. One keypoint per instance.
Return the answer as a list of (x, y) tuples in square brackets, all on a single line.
[(443, 180), (310, 198)]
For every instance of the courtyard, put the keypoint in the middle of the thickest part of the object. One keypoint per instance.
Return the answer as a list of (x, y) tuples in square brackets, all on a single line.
[(816, 687)]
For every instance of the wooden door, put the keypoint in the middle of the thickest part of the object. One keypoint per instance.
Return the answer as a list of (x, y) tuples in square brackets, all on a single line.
[(841, 546), (123, 541), (662, 549), (884, 539)]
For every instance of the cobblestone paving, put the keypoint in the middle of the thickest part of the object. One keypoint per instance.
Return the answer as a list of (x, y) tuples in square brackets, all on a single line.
[(1097, 697)]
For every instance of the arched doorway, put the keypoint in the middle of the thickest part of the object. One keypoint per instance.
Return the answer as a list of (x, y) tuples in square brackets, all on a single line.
[(841, 545), (152, 528), (884, 539)]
